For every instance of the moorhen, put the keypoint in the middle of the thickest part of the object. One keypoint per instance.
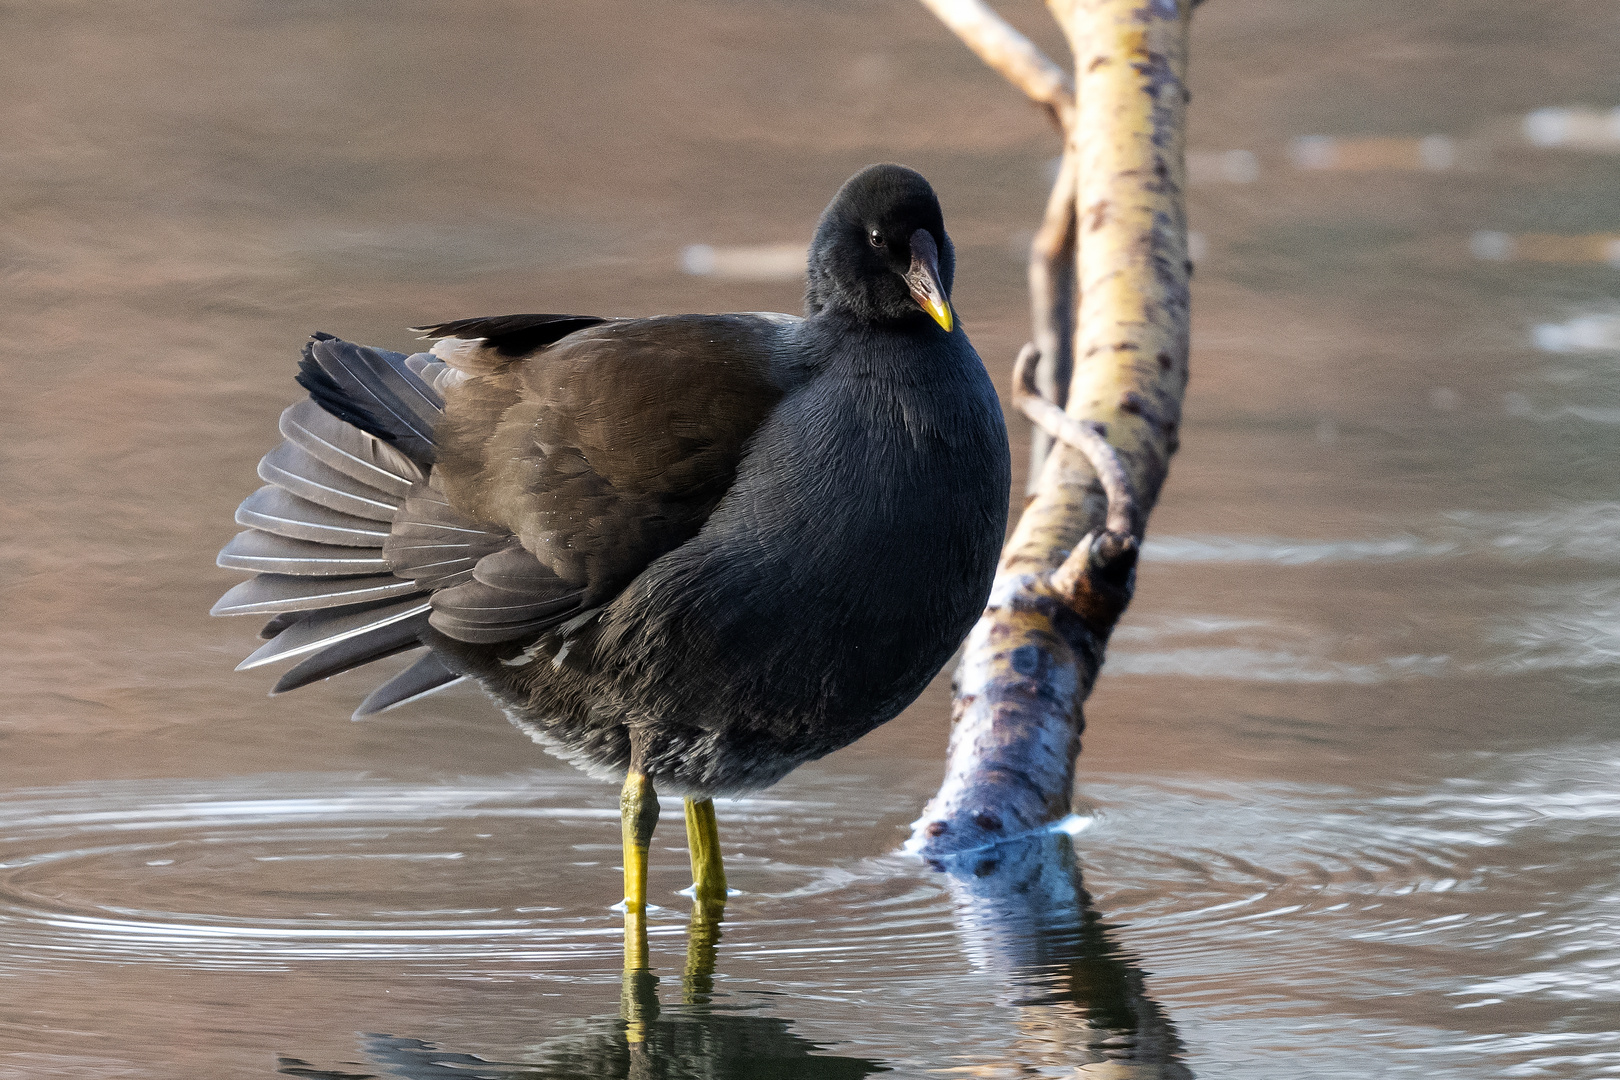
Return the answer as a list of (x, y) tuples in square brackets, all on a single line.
[(691, 551)]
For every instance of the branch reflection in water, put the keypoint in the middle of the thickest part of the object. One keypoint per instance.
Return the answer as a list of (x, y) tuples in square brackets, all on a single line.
[(1077, 1001), (1081, 1002)]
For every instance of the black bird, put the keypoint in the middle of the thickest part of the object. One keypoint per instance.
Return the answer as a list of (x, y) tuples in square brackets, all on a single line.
[(691, 551)]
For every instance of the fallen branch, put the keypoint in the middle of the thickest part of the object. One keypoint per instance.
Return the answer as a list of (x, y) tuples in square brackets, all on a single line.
[(1068, 570)]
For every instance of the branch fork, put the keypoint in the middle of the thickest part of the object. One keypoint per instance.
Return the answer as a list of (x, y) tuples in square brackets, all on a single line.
[(1096, 579)]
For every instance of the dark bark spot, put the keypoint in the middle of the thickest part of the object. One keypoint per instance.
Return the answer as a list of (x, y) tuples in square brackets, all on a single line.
[(936, 865), (986, 868), (1080, 638), (988, 820), (1026, 659), (1131, 402), (1097, 212), (936, 828), (1165, 360), (1096, 63)]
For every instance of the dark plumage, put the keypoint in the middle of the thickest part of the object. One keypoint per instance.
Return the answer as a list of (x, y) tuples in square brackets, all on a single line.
[(719, 545)]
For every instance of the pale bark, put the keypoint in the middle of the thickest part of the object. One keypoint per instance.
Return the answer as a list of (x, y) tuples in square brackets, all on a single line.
[(1068, 570), (1012, 54)]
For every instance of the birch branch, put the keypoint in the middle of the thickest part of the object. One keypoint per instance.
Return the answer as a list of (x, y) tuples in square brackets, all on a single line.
[(1068, 570), (1052, 257), (1012, 54)]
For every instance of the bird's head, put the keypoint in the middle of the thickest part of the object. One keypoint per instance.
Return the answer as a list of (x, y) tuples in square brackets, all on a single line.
[(880, 250)]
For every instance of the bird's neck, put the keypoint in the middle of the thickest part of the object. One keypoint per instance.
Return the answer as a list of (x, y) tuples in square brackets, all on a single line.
[(860, 344)]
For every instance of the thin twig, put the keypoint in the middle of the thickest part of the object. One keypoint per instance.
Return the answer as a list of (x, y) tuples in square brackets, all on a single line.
[(1011, 53), (1052, 298), (1084, 437)]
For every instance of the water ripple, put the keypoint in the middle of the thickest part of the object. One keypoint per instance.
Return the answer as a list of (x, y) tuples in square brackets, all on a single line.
[(257, 874)]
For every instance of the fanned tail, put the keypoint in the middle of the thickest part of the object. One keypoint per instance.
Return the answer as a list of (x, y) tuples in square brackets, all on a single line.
[(356, 457)]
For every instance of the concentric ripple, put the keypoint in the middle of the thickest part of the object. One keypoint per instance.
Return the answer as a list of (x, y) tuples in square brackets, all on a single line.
[(265, 872)]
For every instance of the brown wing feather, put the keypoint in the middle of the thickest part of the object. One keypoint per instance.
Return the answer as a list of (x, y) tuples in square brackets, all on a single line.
[(612, 446)]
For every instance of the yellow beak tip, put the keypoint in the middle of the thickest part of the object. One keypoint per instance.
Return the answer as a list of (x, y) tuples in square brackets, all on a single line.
[(942, 315)]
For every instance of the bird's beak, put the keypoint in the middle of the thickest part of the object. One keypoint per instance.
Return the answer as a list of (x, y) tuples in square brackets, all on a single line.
[(923, 277)]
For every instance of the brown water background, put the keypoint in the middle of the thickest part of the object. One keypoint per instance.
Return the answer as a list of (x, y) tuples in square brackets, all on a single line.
[(1349, 782)]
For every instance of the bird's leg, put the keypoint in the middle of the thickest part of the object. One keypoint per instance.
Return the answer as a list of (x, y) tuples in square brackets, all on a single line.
[(638, 813), (703, 841), (709, 900)]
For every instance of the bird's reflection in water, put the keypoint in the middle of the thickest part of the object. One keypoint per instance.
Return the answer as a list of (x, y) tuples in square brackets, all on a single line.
[(1077, 1002), (692, 1040), (1080, 1000)]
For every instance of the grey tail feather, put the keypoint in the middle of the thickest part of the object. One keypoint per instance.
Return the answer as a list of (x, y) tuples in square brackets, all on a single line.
[(292, 467), (275, 510), (269, 553), (352, 652), (309, 631), (375, 390), (428, 675), (349, 450)]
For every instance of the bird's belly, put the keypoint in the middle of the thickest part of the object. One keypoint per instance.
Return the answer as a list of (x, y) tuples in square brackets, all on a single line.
[(783, 640)]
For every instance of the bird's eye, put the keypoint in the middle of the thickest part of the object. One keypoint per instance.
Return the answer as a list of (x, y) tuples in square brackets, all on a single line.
[(876, 238)]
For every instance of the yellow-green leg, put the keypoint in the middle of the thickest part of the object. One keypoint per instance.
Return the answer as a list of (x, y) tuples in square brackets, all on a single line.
[(703, 841), (638, 814), (709, 900)]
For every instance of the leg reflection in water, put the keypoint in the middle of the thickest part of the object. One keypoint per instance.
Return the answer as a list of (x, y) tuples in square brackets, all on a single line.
[(1081, 1000), (1076, 1002), (685, 1041)]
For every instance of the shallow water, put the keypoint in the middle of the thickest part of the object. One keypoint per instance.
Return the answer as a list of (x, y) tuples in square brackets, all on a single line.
[(1347, 804)]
